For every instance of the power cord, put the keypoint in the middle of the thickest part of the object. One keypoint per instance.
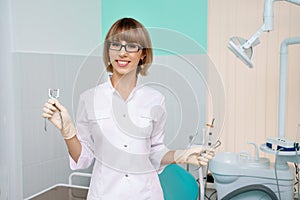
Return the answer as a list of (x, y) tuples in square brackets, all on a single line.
[(206, 197), (214, 193), (297, 179), (276, 175), (296, 146)]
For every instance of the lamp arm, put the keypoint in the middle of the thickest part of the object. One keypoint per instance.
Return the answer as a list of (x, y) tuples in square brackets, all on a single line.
[(297, 2), (254, 40)]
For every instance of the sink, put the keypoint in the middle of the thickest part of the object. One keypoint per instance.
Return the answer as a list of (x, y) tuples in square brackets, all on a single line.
[(226, 157), (230, 163)]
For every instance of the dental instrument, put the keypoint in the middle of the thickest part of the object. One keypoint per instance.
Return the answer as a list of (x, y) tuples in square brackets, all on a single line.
[(203, 171), (211, 125), (54, 94), (243, 48)]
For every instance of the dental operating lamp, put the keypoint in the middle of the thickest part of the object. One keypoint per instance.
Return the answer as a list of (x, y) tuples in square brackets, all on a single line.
[(243, 48)]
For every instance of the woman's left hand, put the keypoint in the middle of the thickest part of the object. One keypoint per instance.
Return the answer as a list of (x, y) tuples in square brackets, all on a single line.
[(199, 156)]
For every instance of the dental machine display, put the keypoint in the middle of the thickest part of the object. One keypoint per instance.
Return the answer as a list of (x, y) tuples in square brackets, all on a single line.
[(240, 176)]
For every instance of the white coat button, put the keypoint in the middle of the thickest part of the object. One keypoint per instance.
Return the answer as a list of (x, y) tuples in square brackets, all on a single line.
[(124, 115), (125, 145), (126, 175)]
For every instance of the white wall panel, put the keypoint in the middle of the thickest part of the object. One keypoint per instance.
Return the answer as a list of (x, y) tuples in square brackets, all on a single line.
[(10, 150)]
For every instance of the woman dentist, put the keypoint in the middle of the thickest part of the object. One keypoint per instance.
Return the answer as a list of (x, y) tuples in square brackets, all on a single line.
[(120, 123)]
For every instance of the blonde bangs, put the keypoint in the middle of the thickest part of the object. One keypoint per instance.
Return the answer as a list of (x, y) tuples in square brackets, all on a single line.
[(131, 36)]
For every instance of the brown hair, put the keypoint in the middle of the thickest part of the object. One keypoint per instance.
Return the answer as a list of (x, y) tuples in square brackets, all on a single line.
[(129, 30)]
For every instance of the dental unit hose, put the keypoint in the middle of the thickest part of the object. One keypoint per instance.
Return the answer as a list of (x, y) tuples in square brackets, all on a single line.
[(249, 188)]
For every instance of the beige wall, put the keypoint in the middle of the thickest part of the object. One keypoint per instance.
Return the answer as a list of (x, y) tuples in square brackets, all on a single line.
[(252, 94)]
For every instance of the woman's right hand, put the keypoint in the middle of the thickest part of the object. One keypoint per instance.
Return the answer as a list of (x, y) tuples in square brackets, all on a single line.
[(59, 117)]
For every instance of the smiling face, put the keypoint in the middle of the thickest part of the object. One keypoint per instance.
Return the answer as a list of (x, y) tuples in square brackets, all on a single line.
[(123, 61)]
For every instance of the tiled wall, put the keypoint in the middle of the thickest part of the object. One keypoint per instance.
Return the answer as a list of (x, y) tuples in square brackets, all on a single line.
[(47, 48), (45, 157)]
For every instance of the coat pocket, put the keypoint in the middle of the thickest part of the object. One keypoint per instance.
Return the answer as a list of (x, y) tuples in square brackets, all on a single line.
[(98, 119)]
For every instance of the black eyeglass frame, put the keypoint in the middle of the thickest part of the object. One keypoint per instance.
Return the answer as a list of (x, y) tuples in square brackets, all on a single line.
[(125, 47)]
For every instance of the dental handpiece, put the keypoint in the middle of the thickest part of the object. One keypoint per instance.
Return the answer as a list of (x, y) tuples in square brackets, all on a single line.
[(210, 126)]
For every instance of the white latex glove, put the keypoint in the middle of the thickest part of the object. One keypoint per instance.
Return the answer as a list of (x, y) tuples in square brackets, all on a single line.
[(52, 110), (198, 156)]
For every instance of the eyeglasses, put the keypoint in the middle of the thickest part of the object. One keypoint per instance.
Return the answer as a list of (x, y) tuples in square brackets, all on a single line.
[(129, 47)]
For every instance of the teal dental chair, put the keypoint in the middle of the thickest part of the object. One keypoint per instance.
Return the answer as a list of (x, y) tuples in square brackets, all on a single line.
[(178, 184)]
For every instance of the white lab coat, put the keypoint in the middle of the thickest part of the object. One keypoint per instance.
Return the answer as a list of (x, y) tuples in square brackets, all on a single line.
[(125, 139)]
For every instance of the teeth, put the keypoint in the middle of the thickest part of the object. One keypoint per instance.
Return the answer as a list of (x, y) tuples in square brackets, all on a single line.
[(122, 62)]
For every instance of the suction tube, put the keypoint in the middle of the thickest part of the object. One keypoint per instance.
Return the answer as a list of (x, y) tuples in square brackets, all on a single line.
[(250, 188)]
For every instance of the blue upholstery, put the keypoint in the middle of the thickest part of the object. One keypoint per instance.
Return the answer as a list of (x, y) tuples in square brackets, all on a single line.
[(178, 184)]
